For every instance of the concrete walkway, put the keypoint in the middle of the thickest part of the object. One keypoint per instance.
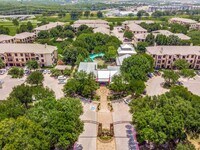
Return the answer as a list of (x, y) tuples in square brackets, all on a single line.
[(104, 116)]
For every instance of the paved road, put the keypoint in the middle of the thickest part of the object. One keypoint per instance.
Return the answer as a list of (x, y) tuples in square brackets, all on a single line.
[(88, 138), (124, 131)]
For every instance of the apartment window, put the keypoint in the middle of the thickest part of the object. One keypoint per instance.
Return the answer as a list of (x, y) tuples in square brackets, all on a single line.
[(163, 61), (8, 54), (192, 56), (191, 61), (183, 57), (198, 57), (159, 61), (26, 55), (164, 56), (169, 62), (2, 58), (159, 57), (26, 59), (42, 55), (22, 59), (154, 56), (15, 54), (188, 56), (198, 62), (17, 59), (32, 54), (37, 58), (170, 57), (21, 55), (42, 60)]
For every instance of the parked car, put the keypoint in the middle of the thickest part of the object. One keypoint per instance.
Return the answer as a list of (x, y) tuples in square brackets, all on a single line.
[(62, 78), (157, 72), (179, 83), (2, 71), (127, 99), (62, 81)]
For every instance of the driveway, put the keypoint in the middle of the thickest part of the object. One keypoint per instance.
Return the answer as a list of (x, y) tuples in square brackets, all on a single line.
[(153, 86), (87, 140), (52, 84), (9, 84), (124, 131)]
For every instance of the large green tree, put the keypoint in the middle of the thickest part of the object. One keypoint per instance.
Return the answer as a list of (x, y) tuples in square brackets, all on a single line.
[(82, 84), (60, 120), (166, 118), (32, 64), (21, 134), (23, 93), (136, 67), (35, 78), (170, 76)]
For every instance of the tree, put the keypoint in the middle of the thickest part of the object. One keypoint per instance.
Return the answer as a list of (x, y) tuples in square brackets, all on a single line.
[(99, 14), (173, 40), (16, 72), (82, 84), (163, 119), (22, 28), (60, 120), (35, 78), (69, 34), (128, 34), (118, 84), (170, 77), (87, 13), (181, 64), (43, 35), (74, 15), (55, 72), (54, 33), (150, 39), (29, 26), (11, 108), (185, 146), (25, 134), (32, 64), (111, 53), (141, 47), (136, 67), (136, 87), (178, 28), (187, 73), (1, 64), (71, 53), (161, 39), (15, 22), (62, 14), (4, 30), (23, 93)]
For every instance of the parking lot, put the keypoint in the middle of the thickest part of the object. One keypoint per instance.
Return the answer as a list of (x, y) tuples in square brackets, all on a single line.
[(52, 84), (87, 140), (193, 85), (8, 85), (124, 131), (153, 86)]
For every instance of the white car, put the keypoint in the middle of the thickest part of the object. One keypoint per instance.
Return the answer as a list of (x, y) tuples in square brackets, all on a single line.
[(62, 78)]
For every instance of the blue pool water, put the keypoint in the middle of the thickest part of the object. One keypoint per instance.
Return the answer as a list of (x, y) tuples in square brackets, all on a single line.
[(93, 56)]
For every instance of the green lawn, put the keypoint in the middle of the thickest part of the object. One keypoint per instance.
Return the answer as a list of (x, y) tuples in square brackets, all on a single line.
[(13, 28)]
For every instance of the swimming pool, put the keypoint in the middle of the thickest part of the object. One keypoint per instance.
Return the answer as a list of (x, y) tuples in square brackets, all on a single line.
[(93, 56)]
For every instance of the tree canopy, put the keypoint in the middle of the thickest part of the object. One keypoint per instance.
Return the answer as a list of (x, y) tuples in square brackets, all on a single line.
[(166, 118), (35, 78)]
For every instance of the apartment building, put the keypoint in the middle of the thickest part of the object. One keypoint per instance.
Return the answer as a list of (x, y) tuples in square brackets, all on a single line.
[(165, 56), (19, 54), (48, 27), (25, 37), (135, 28), (91, 23), (6, 39), (142, 36), (183, 21), (195, 26)]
